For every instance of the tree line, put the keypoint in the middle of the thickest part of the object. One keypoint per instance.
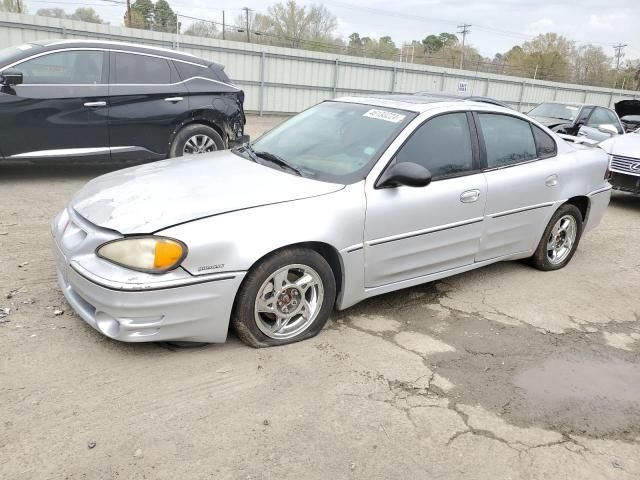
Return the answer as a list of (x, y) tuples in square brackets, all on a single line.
[(548, 56)]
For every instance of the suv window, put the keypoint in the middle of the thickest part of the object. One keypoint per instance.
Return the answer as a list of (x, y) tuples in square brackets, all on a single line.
[(139, 69), (442, 145), (545, 145), (508, 140), (70, 67), (603, 116), (187, 70)]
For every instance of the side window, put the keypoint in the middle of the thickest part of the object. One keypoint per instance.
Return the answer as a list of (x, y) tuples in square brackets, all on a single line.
[(545, 145), (187, 70), (614, 120), (138, 69), (508, 140), (600, 116), (584, 115), (442, 145), (70, 67)]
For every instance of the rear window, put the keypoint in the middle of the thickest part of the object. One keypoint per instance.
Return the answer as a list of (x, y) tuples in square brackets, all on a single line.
[(188, 70), (141, 69), (545, 145), (508, 140)]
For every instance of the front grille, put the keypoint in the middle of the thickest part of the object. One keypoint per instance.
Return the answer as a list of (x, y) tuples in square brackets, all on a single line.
[(625, 165)]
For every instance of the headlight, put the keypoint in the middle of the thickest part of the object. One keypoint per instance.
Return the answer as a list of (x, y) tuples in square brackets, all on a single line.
[(145, 254)]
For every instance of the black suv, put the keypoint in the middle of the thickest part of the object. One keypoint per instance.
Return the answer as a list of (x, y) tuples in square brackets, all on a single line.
[(70, 99)]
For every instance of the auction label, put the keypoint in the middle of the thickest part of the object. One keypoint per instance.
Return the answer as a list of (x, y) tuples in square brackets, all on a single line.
[(384, 115)]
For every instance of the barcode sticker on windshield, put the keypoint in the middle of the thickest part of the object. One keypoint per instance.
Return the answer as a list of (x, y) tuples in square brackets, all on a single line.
[(384, 115)]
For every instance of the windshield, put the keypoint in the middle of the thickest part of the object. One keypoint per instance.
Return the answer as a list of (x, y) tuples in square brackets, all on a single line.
[(333, 141), (556, 110), (10, 54)]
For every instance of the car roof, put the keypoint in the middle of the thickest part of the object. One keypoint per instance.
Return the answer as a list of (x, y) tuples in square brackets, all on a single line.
[(470, 97), (573, 104), (417, 103), (53, 44)]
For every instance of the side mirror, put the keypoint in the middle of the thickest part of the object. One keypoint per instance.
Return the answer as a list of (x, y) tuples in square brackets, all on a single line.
[(11, 77), (405, 173), (608, 129)]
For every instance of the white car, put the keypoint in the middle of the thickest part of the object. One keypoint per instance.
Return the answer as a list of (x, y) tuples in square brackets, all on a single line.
[(350, 199), (625, 161)]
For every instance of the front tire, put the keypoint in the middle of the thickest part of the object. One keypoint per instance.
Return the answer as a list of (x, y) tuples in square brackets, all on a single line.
[(560, 239), (286, 298), (196, 139)]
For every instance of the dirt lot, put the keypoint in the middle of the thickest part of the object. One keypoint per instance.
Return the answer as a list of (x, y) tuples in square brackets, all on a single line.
[(501, 373)]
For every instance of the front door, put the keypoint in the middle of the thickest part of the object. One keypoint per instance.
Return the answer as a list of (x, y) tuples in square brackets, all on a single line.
[(413, 232), (600, 116), (147, 102), (60, 110)]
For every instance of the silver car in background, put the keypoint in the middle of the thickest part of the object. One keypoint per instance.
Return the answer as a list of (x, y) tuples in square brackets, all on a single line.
[(350, 199)]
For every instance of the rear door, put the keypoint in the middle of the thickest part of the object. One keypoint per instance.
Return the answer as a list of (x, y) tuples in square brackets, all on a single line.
[(60, 110), (413, 232), (523, 182), (147, 103)]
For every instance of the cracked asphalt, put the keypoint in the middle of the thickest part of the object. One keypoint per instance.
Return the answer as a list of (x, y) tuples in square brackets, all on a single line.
[(500, 373)]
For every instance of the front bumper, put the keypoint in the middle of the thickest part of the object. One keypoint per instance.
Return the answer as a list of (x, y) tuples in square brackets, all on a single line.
[(625, 182), (196, 310)]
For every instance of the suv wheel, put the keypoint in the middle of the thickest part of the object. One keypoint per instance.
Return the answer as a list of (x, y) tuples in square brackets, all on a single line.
[(196, 139)]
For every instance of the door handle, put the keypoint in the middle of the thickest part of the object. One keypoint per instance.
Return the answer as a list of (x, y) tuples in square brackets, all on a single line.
[(95, 104), (582, 134), (470, 196), (551, 180), (173, 99)]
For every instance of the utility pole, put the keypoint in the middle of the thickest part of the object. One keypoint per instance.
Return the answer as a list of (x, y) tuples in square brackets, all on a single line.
[(619, 53), (129, 14), (464, 29), (224, 25), (246, 13)]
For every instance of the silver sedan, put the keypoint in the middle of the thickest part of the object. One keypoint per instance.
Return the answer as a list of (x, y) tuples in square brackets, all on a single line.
[(350, 199)]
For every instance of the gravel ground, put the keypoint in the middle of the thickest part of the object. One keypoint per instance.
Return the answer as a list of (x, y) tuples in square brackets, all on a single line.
[(501, 373)]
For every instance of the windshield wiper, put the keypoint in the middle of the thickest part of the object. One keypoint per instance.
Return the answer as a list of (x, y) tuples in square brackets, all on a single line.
[(270, 157), (248, 150)]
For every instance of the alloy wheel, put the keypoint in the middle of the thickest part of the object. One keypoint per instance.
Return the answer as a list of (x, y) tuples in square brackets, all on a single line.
[(288, 301), (561, 239), (199, 144)]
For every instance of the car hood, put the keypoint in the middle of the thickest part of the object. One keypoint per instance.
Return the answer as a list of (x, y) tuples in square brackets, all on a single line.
[(623, 145), (550, 121), (151, 197), (627, 107)]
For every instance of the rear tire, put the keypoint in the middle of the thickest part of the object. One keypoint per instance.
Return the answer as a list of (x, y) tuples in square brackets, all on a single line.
[(286, 298), (560, 239), (196, 137)]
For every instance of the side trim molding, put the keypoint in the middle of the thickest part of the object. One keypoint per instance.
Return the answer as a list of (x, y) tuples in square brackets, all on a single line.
[(69, 152), (520, 210), (426, 231)]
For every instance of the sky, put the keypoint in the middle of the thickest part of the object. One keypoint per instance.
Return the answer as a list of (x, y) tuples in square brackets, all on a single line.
[(497, 25)]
